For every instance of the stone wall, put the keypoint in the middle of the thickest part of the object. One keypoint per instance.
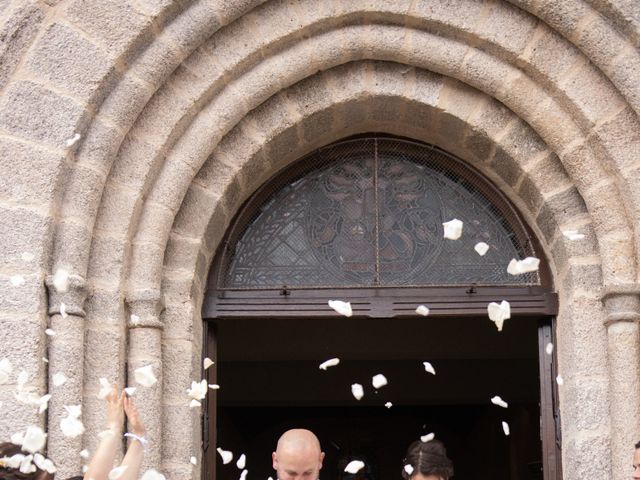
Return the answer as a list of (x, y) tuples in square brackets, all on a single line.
[(185, 107)]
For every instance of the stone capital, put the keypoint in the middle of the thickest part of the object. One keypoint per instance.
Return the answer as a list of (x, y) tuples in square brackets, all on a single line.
[(622, 303), (73, 298), (145, 307)]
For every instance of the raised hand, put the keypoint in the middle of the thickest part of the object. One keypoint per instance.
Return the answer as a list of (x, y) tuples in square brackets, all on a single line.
[(115, 414), (137, 427)]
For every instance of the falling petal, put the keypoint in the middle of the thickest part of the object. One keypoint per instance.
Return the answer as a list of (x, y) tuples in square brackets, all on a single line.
[(70, 142), (49, 331), (343, 308), (549, 348), (194, 404), (409, 469), (242, 461), (198, 390), (5, 370), (226, 455), (428, 437), (452, 229), (499, 402), (193, 461), (573, 235), (144, 376), (61, 280), (379, 381), (44, 463), (84, 453), (27, 256), (332, 362), (105, 388), (498, 313), (207, 362), (135, 319), (243, 475), (17, 280), (517, 267), (26, 466), (505, 428), (214, 386), (422, 310), (58, 379), (429, 368), (74, 410), (43, 403), (481, 248), (559, 380), (130, 391), (357, 391), (17, 438), (45, 359), (354, 466), (63, 310), (34, 439), (388, 404), (153, 475), (117, 472), (84, 470), (71, 426)]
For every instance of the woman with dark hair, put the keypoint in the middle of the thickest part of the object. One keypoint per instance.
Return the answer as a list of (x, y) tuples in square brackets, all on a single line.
[(427, 461), (12, 458)]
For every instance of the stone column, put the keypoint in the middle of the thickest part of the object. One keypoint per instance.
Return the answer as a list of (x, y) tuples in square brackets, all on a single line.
[(145, 348), (65, 355), (623, 334)]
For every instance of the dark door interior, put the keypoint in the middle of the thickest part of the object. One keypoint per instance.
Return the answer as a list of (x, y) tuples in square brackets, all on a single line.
[(270, 381)]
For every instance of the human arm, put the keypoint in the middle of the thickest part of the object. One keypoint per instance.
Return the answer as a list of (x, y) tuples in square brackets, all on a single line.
[(133, 458)]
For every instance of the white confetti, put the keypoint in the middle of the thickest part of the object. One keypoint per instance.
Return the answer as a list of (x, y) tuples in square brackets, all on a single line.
[(388, 404), (43, 403), (193, 461), (84, 470), (135, 319), (428, 437), (422, 310), (144, 376), (70, 142), (481, 248), (27, 256), (505, 428), (452, 229), (354, 466), (105, 388), (226, 455), (559, 380), (45, 359), (498, 313), (195, 404), (332, 362), (61, 280), (242, 462), (130, 391), (429, 368), (84, 453), (153, 475), (5, 370), (343, 308), (34, 439), (207, 362), (58, 379), (198, 390), (71, 425), (549, 348), (518, 267), (357, 391), (573, 235), (499, 402), (17, 280), (243, 475), (50, 332), (44, 463), (214, 386), (63, 310), (409, 469), (117, 472), (379, 381)]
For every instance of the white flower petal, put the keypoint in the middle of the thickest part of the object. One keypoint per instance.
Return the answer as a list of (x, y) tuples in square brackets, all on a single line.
[(354, 466), (429, 368), (517, 267), (422, 310), (198, 390), (226, 455), (214, 386), (34, 439), (17, 280), (549, 348), (63, 310), (559, 380), (74, 410), (50, 332), (58, 379), (17, 438), (26, 466), (193, 461), (45, 359), (194, 404), (84, 470), (499, 402), (243, 475), (144, 376), (573, 235), (242, 462), (153, 475), (14, 461), (43, 402), (343, 308), (428, 437), (84, 453), (27, 256), (357, 391), (498, 313), (453, 229), (409, 469), (71, 427), (379, 381), (61, 280), (388, 404), (481, 248), (105, 388), (332, 362), (130, 391), (117, 472), (207, 362), (505, 428), (70, 142), (135, 319)]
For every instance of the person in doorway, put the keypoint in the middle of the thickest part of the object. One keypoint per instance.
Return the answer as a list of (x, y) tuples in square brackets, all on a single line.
[(636, 462), (298, 456), (427, 461)]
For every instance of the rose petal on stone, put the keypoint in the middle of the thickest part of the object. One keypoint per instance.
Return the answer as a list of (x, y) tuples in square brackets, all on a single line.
[(130, 391), (117, 472), (357, 391), (84, 453), (409, 469), (453, 229), (379, 381), (573, 235), (505, 428), (242, 461), (153, 475), (343, 308), (58, 379), (63, 310), (70, 142), (428, 437), (207, 362), (198, 390), (17, 280), (332, 362), (50, 332), (27, 256), (194, 404), (144, 376), (61, 280), (71, 426), (214, 386), (559, 380), (549, 348), (354, 466), (105, 388), (193, 461), (226, 455), (422, 310), (243, 475), (481, 248), (34, 439), (498, 313), (429, 368), (499, 402)]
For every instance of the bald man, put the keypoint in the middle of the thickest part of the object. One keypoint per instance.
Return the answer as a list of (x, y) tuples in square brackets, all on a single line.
[(298, 456)]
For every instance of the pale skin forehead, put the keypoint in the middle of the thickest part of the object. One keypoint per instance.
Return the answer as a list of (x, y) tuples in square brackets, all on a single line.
[(298, 440)]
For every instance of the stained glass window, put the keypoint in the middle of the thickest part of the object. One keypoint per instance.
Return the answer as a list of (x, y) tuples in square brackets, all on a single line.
[(369, 213)]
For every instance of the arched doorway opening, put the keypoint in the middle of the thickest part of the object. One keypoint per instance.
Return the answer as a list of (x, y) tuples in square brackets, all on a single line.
[(361, 220)]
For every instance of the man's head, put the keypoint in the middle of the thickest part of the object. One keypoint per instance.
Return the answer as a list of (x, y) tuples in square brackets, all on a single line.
[(636, 462), (298, 456)]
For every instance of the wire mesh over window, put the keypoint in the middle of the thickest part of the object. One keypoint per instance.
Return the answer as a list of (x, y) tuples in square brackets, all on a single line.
[(369, 213)]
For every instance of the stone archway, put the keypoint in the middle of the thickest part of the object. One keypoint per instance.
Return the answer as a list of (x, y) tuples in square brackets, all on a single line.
[(185, 108)]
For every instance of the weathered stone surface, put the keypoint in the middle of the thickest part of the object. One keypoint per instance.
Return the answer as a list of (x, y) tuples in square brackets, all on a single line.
[(23, 230)]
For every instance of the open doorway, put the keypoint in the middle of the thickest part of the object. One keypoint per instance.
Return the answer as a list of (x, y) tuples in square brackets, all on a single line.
[(270, 381)]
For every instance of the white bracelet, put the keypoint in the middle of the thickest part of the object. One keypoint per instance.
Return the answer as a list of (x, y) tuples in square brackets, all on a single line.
[(143, 441)]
